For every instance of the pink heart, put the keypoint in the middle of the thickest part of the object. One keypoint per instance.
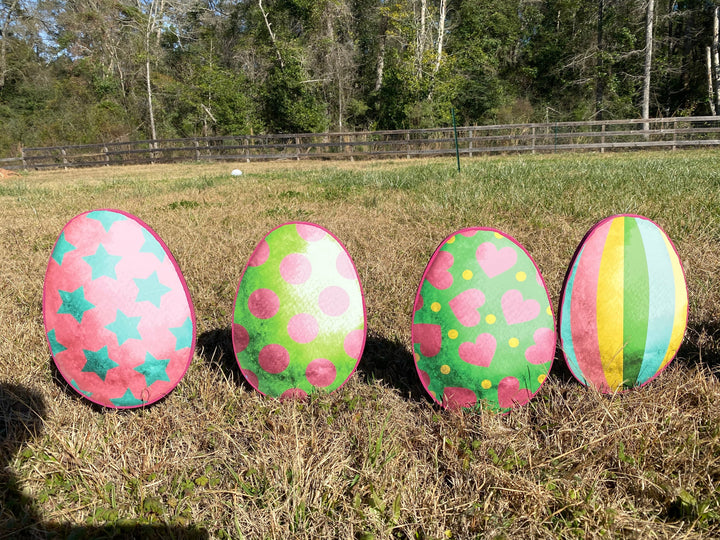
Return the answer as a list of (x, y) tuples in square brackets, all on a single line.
[(510, 394), (493, 261), (438, 274), (465, 306), (454, 398), (479, 353), (544, 347), (516, 310), (429, 337)]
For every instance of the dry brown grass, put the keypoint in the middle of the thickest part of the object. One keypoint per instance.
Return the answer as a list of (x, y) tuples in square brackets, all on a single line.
[(375, 459)]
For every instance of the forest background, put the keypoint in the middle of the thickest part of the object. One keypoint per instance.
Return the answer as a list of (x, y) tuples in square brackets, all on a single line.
[(87, 71)]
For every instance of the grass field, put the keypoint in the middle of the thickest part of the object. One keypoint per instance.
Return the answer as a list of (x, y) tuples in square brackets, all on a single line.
[(376, 459)]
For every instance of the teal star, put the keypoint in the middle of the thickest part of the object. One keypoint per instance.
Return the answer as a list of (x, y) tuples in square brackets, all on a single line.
[(153, 369), (98, 362), (62, 248), (127, 400), (151, 245), (106, 218), (75, 385), (183, 334), (102, 263), (150, 289), (74, 303), (124, 327), (55, 346)]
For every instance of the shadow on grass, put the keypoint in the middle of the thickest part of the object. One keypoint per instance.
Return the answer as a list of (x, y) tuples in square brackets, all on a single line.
[(216, 348), (390, 361), (22, 413), (701, 347)]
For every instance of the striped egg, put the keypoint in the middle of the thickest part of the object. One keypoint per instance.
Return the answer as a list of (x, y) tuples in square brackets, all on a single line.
[(299, 322), (118, 316), (624, 304)]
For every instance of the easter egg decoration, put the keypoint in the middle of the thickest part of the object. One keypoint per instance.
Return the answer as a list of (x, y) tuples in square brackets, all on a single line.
[(624, 304), (117, 312), (299, 322), (483, 330)]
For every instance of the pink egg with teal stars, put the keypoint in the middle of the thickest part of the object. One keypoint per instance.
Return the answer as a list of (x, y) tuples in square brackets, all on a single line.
[(483, 331), (624, 304), (117, 312), (299, 324)]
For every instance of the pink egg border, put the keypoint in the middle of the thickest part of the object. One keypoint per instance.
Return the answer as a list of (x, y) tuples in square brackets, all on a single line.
[(562, 299), (362, 296), (422, 280), (182, 281)]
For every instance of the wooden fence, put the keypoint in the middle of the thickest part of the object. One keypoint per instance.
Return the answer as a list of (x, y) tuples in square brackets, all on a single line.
[(609, 135)]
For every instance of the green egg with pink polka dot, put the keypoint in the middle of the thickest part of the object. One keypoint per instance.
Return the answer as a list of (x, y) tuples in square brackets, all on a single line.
[(483, 331), (299, 324)]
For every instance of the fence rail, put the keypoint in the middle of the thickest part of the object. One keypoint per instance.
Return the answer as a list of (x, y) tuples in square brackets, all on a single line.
[(608, 135)]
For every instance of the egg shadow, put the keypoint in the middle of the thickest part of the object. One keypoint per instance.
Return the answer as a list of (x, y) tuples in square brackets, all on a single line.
[(390, 361), (22, 415), (216, 348), (701, 347)]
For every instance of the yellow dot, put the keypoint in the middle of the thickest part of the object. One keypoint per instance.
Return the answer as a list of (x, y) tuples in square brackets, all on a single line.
[(452, 334), (548, 310), (541, 378), (444, 369), (486, 384), (467, 274), (490, 319), (514, 342), (435, 306), (450, 240), (417, 357), (521, 276), (498, 235)]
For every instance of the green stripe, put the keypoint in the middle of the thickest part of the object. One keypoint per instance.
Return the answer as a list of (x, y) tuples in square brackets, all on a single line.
[(636, 302)]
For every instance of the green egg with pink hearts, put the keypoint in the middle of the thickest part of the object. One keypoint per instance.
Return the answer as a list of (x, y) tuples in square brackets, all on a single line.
[(299, 322), (483, 330)]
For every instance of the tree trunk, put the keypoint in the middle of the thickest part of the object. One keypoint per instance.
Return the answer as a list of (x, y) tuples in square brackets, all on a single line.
[(380, 70), (648, 63), (272, 35), (716, 55), (599, 83), (441, 34), (3, 41), (711, 92)]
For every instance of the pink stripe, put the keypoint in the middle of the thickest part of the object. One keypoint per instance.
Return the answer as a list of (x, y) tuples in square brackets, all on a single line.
[(583, 307)]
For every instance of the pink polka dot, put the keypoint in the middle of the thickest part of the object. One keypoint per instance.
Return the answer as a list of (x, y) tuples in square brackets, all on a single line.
[(344, 266), (334, 301), (469, 234), (240, 338), (250, 377), (419, 303), (302, 328), (355, 343), (274, 358), (263, 303), (424, 377), (321, 372), (311, 233), (293, 394), (295, 268), (260, 255)]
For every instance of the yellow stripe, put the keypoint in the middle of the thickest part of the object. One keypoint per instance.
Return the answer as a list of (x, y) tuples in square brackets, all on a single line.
[(610, 304), (681, 306)]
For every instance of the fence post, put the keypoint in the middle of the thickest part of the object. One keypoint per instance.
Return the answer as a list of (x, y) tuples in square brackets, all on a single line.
[(602, 139), (471, 134), (674, 147), (532, 140), (197, 150), (107, 157), (22, 155), (64, 155)]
